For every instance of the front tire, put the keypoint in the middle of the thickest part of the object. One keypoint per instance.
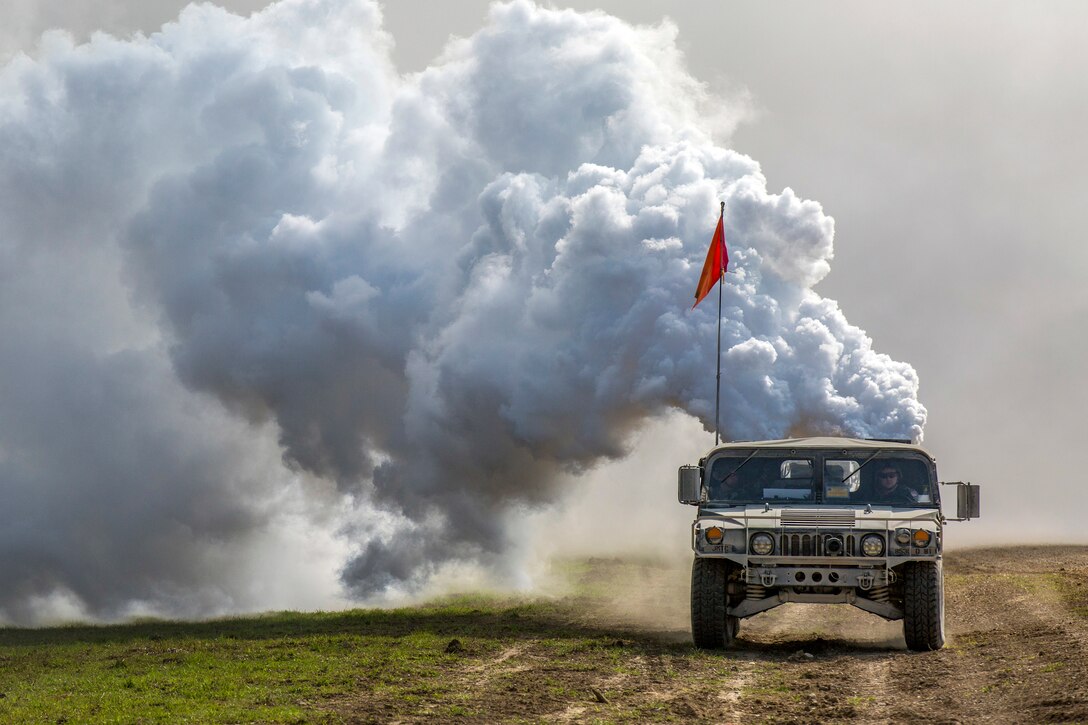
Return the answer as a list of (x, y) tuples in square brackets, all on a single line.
[(711, 626), (923, 605)]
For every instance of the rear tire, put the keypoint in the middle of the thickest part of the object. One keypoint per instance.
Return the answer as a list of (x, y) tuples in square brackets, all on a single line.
[(711, 626), (923, 605)]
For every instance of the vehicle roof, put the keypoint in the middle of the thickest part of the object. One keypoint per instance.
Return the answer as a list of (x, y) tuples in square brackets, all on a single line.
[(822, 442)]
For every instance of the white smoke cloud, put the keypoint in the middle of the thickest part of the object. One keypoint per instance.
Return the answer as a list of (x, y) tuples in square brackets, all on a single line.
[(442, 293)]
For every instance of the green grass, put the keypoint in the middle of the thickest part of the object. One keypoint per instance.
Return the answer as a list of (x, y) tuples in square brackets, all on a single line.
[(260, 669), (1069, 587), (324, 667)]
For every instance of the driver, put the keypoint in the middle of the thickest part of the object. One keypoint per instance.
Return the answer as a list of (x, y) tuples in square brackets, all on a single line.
[(889, 487)]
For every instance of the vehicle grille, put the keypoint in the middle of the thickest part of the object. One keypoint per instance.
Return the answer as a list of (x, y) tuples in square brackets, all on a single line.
[(815, 544), (818, 517)]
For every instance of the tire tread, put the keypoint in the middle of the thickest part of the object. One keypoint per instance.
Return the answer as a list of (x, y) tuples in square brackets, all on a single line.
[(709, 626), (922, 606)]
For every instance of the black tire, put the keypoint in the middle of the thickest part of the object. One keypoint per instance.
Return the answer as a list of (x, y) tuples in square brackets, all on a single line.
[(923, 605), (711, 627)]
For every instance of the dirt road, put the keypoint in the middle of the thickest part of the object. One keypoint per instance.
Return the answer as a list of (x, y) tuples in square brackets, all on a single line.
[(1017, 650), (617, 648)]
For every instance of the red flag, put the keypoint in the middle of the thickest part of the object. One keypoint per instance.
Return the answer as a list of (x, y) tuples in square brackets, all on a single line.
[(717, 259)]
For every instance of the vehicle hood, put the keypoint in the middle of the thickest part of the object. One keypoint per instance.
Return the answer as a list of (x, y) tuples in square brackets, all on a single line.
[(810, 517)]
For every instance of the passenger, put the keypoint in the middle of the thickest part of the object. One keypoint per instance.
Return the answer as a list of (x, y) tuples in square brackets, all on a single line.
[(715, 483), (725, 484), (731, 487)]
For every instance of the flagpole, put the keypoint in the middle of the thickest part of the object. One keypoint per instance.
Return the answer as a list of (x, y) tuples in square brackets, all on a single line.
[(718, 348)]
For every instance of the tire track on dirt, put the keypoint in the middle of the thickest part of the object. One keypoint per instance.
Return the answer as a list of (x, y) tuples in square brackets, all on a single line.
[(1025, 639), (1016, 652)]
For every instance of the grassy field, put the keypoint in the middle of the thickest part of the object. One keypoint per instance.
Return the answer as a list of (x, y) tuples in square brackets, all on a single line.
[(354, 665), (611, 646)]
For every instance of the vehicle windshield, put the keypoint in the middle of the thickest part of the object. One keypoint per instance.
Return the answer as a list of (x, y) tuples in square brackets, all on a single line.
[(891, 478)]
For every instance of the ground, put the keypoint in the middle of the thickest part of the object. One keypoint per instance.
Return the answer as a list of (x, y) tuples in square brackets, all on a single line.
[(612, 645)]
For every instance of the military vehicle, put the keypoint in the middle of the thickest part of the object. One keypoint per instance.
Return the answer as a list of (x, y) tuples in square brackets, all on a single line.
[(818, 520)]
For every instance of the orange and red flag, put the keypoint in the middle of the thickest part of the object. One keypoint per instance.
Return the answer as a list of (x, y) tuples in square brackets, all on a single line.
[(717, 259)]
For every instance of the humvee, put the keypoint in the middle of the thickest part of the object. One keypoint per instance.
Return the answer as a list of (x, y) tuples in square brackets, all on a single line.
[(818, 520)]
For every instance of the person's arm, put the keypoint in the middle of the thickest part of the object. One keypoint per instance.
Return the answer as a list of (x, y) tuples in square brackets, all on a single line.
[(904, 494)]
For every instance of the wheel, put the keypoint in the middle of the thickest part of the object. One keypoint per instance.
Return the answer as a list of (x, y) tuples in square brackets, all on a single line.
[(923, 605), (711, 627)]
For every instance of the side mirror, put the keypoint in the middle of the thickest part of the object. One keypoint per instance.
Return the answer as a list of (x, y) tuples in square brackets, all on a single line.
[(967, 500), (689, 487)]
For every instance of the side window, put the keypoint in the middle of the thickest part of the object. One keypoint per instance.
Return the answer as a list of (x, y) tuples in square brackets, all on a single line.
[(841, 478), (793, 468), (793, 480)]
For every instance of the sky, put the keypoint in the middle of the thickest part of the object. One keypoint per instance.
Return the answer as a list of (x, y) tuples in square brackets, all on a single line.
[(944, 141)]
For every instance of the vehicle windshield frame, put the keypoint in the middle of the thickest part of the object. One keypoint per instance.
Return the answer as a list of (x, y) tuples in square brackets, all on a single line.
[(868, 461)]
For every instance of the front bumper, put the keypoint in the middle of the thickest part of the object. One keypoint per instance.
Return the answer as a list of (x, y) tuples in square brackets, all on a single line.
[(809, 575), (881, 608)]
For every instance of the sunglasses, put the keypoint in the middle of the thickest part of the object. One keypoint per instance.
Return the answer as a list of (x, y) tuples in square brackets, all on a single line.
[(890, 474)]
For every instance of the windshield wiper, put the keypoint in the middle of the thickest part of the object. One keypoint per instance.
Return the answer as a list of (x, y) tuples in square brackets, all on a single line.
[(750, 457), (865, 463)]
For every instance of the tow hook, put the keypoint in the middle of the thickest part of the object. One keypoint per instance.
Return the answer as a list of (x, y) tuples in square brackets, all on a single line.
[(767, 580)]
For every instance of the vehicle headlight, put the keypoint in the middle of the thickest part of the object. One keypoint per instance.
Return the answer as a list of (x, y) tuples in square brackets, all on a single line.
[(714, 535), (902, 536), (872, 545), (761, 544), (921, 538)]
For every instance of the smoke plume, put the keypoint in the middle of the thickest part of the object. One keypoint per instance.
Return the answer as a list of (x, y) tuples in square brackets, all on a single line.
[(257, 289)]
